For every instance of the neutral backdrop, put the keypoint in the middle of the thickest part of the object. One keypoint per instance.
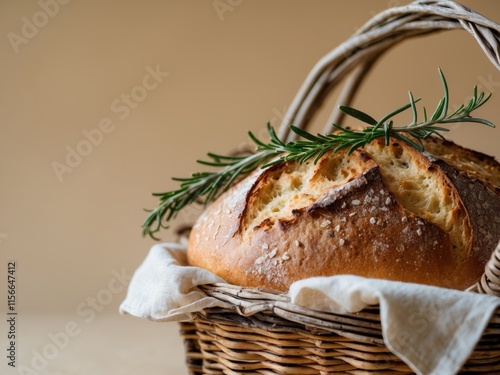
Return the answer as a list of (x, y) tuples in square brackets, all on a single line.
[(73, 223)]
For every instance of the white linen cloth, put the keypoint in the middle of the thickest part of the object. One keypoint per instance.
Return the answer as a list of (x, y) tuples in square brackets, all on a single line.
[(434, 330), (164, 289)]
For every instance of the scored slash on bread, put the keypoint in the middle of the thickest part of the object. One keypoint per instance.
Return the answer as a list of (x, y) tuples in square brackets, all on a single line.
[(387, 212)]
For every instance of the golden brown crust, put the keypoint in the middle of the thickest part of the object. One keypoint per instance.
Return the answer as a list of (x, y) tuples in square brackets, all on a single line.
[(346, 221), (482, 205), (473, 164)]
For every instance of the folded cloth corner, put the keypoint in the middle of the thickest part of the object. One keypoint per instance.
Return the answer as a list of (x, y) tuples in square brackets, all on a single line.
[(164, 288)]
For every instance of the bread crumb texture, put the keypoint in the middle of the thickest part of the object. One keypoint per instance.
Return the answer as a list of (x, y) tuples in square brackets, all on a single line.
[(387, 212)]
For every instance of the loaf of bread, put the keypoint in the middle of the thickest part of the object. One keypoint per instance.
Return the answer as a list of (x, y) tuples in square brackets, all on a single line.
[(387, 212)]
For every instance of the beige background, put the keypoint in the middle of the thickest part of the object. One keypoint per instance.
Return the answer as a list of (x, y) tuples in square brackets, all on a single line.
[(227, 73)]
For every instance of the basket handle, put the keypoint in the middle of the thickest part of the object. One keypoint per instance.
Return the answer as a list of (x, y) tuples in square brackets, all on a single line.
[(357, 55)]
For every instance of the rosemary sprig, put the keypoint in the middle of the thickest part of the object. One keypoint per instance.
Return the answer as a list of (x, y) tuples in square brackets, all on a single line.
[(204, 187)]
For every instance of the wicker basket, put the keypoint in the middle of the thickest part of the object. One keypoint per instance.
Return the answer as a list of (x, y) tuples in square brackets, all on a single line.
[(263, 333)]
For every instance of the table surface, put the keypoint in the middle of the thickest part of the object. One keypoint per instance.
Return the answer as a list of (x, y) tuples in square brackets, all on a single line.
[(105, 343)]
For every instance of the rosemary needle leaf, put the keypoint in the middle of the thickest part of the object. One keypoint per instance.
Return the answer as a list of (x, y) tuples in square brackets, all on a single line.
[(274, 137), (438, 113), (355, 146), (320, 154), (387, 132), (223, 157), (256, 140), (305, 134), (419, 146), (457, 111), (210, 163), (471, 119), (204, 187), (392, 114), (413, 108), (357, 114), (481, 100), (444, 111)]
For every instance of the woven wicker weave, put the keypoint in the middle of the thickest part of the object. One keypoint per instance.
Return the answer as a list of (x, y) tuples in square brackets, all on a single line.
[(263, 333)]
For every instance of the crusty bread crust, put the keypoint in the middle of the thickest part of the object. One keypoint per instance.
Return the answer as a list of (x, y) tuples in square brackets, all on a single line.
[(475, 165), (349, 215)]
